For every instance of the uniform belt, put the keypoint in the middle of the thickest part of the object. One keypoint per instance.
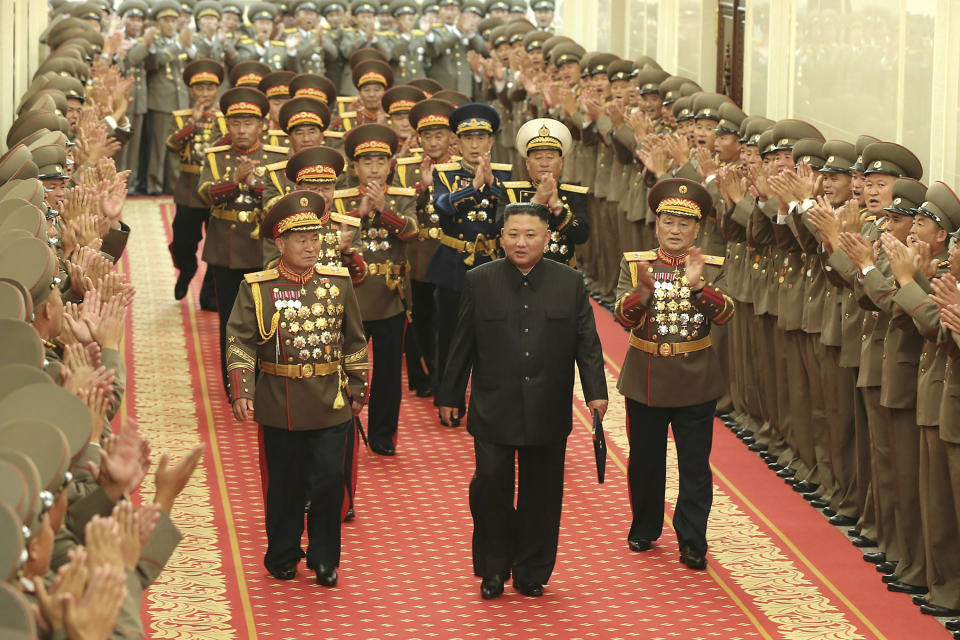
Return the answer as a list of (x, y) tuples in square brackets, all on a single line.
[(667, 349), (190, 168), (234, 216), (299, 370), (386, 268), (482, 244), (432, 232)]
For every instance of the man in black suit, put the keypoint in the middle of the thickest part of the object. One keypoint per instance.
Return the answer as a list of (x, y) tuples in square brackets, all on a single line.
[(523, 323)]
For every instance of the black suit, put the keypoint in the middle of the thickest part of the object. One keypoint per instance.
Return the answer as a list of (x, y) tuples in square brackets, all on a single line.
[(521, 336)]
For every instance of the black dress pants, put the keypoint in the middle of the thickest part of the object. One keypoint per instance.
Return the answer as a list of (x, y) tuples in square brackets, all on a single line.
[(421, 346), (227, 282), (289, 454), (448, 301), (386, 390), (522, 538), (693, 434), (187, 233)]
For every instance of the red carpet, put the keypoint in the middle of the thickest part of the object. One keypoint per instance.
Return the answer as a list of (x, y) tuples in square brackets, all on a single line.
[(778, 569)]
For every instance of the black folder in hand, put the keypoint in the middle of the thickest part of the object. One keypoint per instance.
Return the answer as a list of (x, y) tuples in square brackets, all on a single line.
[(599, 446)]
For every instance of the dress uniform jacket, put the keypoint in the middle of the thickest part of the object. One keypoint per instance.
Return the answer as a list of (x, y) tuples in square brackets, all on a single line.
[(305, 338), (383, 238), (272, 53), (313, 58), (470, 230), (407, 56), (191, 141), (235, 211), (447, 53), (670, 346), (520, 336), (133, 66), (420, 250), (568, 229), (165, 89)]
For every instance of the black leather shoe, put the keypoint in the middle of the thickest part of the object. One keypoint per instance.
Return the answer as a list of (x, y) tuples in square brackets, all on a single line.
[(890, 578), (912, 589), (693, 559), (285, 573), (876, 557), (208, 304), (824, 507), (774, 466), (425, 391), (805, 486), (860, 541), (920, 599), (769, 458), (757, 447), (937, 610), (351, 514), (455, 422), (639, 545), (181, 288), (749, 440), (853, 532), (841, 520), (383, 450), (786, 472), (529, 589), (952, 625), (491, 588), (886, 567), (326, 577)]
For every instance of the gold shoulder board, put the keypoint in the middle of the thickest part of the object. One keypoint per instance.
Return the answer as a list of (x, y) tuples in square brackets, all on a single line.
[(274, 149), (518, 184), (348, 114), (331, 270), (714, 260), (401, 191), (417, 32), (500, 166), (276, 132), (261, 276), (183, 112), (409, 160), (278, 43), (575, 188), (223, 147), (351, 221), (870, 219), (639, 256), (447, 166), (346, 193), (277, 166), (333, 134)]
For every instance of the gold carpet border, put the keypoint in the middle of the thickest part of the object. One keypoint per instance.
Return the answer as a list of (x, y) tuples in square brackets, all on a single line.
[(188, 600), (777, 587)]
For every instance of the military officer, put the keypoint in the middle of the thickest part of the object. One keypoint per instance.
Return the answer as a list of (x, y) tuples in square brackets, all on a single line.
[(408, 43), (446, 50), (276, 86), (364, 36), (543, 143), (130, 156), (671, 374), (196, 130), (303, 120), (207, 18), (300, 325), (388, 215), (466, 194), (313, 49), (371, 78), (249, 73), (334, 12), (397, 103), (543, 11), (314, 86), (232, 183), (261, 46)]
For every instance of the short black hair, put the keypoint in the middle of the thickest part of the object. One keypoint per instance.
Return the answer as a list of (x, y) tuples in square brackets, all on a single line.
[(527, 208)]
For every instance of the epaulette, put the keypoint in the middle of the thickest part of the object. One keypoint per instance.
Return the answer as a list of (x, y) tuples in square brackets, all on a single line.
[(276, 132), (333, 134), (244, 39), (575, 188), (278, 43), (518, 184), (870, 218), (417, 32), (387, 34), (348, 114), (342, 99), (346, 193), (401, 191), (223, 147), (409, 160), (342, 218), (500, 166), (289, 29), (276, 166), (261, 276), (182, 112), (447, 166), (331, 270), (274, 149), (716, 261), (417, 151), (639, 256)]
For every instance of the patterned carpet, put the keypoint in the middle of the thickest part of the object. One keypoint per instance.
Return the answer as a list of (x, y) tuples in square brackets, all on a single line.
[(778, 570)]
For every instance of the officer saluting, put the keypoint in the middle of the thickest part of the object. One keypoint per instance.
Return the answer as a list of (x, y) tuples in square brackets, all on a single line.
[(544, 143), (300, 325), (671, 375), (466, 193)]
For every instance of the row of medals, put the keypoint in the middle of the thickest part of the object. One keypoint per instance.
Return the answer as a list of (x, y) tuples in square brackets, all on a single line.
[(304, 322), (433, 231), (672, 306)]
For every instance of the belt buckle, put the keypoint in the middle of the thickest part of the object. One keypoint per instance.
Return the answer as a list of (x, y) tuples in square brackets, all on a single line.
[(306, 370), (665, 349), (243, 216)]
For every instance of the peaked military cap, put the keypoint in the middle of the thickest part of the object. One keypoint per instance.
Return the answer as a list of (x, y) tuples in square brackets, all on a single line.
[(809, 150), (649, 79), (20, 214), (315, 164), (30, 189), (248, 73), (752, 127), (942, 206), (232, 6), (165, 9), (86, 11), (891, 159), (19, 620), (907, 194), (553, 41), (370, 139), (20, 344), (402, 7), (474, 117), (42, 442), (203, 71), (16, 163), (363, 6), (34, 97), (478, 7), (766, 142), (429, 6), (787, 132), (15, 493), (498, 36), (311, 85), (48, 402), (455, 98), (297, 211), (133, 8), (621, 70), (543, 133), (15, 302), (429, 86), (517, 29), (207, 8), (244, 101), (731, 117), (669, 88), (444, 3), (328, 6), (840, 156), (72, 88), (304, 110), (487, 25), (372, 71), (683, 108), (518, 7), (429, 113), (599, 63), (706, 106), (304, 5), (31, 261), (862, 142), (497, 5), (534, 40), (401, 99), (45, 101), (680, 197), (261, 11), (18, 375), (276, 85), (646, 62), (12, 554)]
